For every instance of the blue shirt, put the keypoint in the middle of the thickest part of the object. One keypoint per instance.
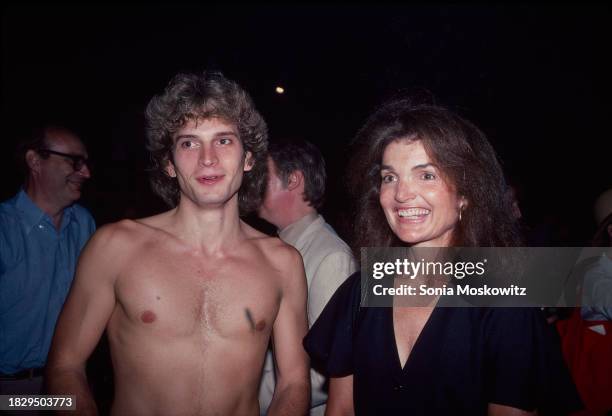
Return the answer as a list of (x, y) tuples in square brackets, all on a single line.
[(37, 265)]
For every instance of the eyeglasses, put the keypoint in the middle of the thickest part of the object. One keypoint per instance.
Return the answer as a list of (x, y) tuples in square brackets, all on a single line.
[(77, 161)]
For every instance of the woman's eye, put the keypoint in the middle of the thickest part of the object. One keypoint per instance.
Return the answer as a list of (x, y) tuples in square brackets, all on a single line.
[(428, 176), (388, 178)]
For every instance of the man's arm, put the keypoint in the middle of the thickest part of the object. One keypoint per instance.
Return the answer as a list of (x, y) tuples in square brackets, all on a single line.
[(292, 392), (87, 310)]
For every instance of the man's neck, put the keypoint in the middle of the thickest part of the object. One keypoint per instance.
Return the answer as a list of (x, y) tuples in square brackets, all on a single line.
[(295, 214), (46, 203), (292, 233), (212, 229)]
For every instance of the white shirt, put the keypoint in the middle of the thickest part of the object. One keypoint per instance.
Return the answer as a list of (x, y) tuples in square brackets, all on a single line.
[(328, 261)]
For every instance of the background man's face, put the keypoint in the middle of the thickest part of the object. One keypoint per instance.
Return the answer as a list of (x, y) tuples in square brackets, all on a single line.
[(57, 176), (275, 200)]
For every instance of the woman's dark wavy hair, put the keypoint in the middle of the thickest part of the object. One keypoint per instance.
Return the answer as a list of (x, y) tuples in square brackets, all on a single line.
[(191, 96), (462, 153)]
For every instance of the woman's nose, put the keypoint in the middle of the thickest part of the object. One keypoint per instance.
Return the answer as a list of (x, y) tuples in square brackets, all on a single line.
[(405, 191)]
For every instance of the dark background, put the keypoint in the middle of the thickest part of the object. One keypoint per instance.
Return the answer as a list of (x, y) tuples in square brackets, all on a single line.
[(536, 79)]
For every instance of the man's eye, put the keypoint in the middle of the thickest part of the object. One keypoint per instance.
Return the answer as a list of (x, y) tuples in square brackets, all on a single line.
[(225, 140), (188, 144)]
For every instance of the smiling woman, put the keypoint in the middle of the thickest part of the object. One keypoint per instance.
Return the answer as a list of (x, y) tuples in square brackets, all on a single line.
[(448, 153), (420, 206), (432, 179)]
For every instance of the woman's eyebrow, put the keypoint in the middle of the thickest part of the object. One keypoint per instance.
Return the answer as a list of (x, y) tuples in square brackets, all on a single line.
[(423, 166), (420, 166)]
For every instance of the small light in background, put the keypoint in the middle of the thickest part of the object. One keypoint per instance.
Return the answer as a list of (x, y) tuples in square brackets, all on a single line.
[(280, 90)]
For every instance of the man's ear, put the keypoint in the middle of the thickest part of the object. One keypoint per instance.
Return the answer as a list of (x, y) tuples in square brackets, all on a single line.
[(32, 160), (170, 169), (249, 161), (295, 179)]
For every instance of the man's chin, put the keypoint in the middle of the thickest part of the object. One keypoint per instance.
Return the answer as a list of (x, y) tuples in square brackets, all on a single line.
[(75, 186), (74, 191)]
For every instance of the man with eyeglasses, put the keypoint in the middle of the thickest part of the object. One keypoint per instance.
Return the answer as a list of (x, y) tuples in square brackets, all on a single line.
[(42, 232)]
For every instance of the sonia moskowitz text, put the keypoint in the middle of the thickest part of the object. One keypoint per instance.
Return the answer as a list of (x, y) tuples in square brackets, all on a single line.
[(460, 290)]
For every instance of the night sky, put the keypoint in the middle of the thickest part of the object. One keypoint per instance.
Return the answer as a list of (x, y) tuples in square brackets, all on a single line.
[(536, 79)]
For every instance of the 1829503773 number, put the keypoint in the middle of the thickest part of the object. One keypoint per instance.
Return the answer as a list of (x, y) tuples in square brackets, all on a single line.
[(38, 401)]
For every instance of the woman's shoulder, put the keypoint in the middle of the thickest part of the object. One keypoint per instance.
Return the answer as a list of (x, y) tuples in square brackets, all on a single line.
[(330, 340)]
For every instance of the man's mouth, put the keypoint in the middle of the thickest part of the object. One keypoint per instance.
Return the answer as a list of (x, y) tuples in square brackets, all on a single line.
[(413, 213), (76, 184), (210, 179)]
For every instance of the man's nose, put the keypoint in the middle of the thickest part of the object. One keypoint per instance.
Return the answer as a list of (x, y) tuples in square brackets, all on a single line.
[(208, 155), (84, 171)]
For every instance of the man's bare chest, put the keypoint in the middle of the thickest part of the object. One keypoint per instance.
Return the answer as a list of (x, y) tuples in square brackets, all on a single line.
[(174, 295)]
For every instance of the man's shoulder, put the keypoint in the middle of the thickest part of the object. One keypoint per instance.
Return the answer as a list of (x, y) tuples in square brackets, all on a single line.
[(122, 234), (274, 246), (143, 227), (8, 209), (324, 239), (11, 220), (265, 242), (280, 254), (83, 218), (81, 212), (12, 243)]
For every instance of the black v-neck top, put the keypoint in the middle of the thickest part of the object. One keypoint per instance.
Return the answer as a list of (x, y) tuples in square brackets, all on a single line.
[(463, 359)]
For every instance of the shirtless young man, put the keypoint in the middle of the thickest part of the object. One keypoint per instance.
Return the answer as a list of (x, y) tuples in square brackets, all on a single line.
[(190, 297)]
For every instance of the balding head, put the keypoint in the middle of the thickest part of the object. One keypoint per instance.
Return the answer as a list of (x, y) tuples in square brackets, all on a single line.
[(42, 138), (54, 134), (55, 161)]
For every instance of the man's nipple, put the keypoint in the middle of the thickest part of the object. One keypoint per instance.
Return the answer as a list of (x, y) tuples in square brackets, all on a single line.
[(147, 317)]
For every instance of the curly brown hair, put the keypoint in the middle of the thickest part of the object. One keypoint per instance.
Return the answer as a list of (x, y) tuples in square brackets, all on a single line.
[(465, 157), (195, 96)]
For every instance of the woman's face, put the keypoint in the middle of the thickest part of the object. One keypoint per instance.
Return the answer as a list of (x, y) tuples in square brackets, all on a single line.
[(422, 209)]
